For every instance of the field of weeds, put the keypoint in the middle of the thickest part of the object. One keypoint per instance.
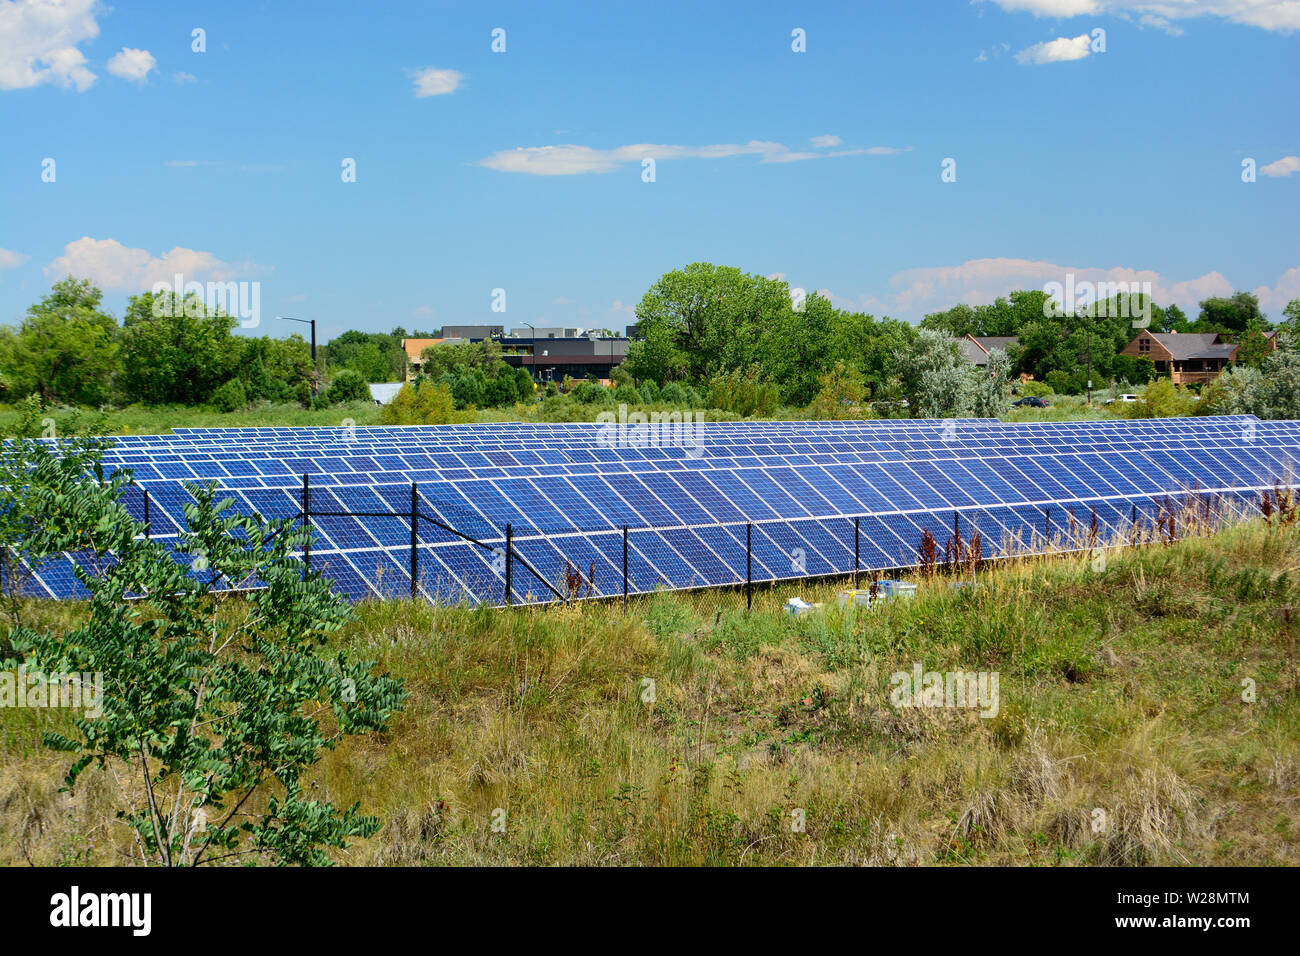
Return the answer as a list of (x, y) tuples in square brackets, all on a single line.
[(1146, 714)]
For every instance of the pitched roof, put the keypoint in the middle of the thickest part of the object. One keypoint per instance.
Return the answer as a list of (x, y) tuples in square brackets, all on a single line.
[(976, 348), (1194, 345)]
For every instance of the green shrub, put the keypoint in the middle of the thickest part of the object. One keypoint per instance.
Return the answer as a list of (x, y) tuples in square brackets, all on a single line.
[(230, 397), (1062, 382), (348, 386), (1161, 399), (673, 394), (420, 403)]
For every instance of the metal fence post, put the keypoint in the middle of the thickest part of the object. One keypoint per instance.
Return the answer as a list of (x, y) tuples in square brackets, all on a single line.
[(749, 567), (625, 567), (415, 543), (146, 513), (856, 561), (510, 597), (1047, 530), (306, 523)]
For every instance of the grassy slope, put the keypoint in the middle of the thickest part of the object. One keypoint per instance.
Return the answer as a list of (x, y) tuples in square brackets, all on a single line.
[(1120, 691), (138, 420)]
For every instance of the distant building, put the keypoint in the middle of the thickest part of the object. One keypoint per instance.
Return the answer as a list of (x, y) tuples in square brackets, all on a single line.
[(550, 359), (381, 393), (1188, 358), (976, 348), (545, 333), (472, 333), (414, 349)]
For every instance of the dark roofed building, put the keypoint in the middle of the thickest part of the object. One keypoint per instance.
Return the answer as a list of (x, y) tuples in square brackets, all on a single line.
[(1188, 358), (976, 348)]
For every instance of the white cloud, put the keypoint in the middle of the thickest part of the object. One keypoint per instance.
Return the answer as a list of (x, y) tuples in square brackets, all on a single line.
[(38, 43), (825, 142), (112, 265), (1274, 300), (1060, 50), (10, 259), (180, 78), (980, 281), (422, 310), (434, 82), (913, 293), (1282, 167), (131, 64), (1160, 23), (571, 160), (1280, 15)]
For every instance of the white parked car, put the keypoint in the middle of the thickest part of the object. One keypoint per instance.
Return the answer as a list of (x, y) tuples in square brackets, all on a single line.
[(1122, 398)]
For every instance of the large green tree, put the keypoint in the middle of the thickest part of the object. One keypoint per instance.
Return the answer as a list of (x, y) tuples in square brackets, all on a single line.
[(175, 350), (66, 348)]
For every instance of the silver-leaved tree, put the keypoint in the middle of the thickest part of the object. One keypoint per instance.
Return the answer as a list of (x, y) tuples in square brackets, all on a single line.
[(216, 703)]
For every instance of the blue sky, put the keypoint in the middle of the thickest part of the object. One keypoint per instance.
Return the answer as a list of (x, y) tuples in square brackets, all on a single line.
[(522, 170)]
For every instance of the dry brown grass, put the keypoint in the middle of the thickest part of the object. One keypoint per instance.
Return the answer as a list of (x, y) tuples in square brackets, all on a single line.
[(1121, 694)]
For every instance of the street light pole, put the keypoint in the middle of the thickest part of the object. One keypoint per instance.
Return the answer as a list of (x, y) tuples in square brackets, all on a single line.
[(312, 323), (532, 350)]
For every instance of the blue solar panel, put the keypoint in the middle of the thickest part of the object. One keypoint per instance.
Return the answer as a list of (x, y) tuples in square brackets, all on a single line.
[(567, 491)]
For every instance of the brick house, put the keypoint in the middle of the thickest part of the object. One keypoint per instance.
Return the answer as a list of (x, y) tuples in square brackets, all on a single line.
[(1188, 358)]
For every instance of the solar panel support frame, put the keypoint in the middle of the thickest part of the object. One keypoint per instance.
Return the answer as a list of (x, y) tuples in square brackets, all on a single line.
[(415, 542), (510, 594), (857, 537), (306, 524), (749, 567)]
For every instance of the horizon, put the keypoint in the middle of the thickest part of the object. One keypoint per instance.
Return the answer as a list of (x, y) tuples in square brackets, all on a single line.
[(525, 169)]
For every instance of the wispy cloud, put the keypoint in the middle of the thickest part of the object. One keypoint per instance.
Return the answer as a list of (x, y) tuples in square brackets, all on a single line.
[(1281, 16), (10, 259), (913, 293), (1282, 167), (572, 160), (430, 81), (132, 65), (39, 43), (113, 265), (1060, 50), (180, 78)]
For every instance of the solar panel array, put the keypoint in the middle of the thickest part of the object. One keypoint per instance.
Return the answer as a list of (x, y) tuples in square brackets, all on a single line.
[(699, 504)]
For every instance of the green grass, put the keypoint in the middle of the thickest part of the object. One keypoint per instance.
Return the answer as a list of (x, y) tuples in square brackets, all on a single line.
[(1064, 408), (140, 420), (1120, 695)]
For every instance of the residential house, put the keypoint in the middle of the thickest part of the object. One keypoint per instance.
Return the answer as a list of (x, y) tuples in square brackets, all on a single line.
[(1188, 358)]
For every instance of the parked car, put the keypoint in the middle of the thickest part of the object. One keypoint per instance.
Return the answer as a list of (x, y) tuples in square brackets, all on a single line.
[(1122, 398), (1033, 401)]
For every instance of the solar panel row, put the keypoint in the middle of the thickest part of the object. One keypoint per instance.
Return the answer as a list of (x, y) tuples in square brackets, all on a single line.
[(810, 497)]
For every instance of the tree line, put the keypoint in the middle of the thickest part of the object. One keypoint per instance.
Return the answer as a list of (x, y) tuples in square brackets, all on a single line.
[(708, 336)]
